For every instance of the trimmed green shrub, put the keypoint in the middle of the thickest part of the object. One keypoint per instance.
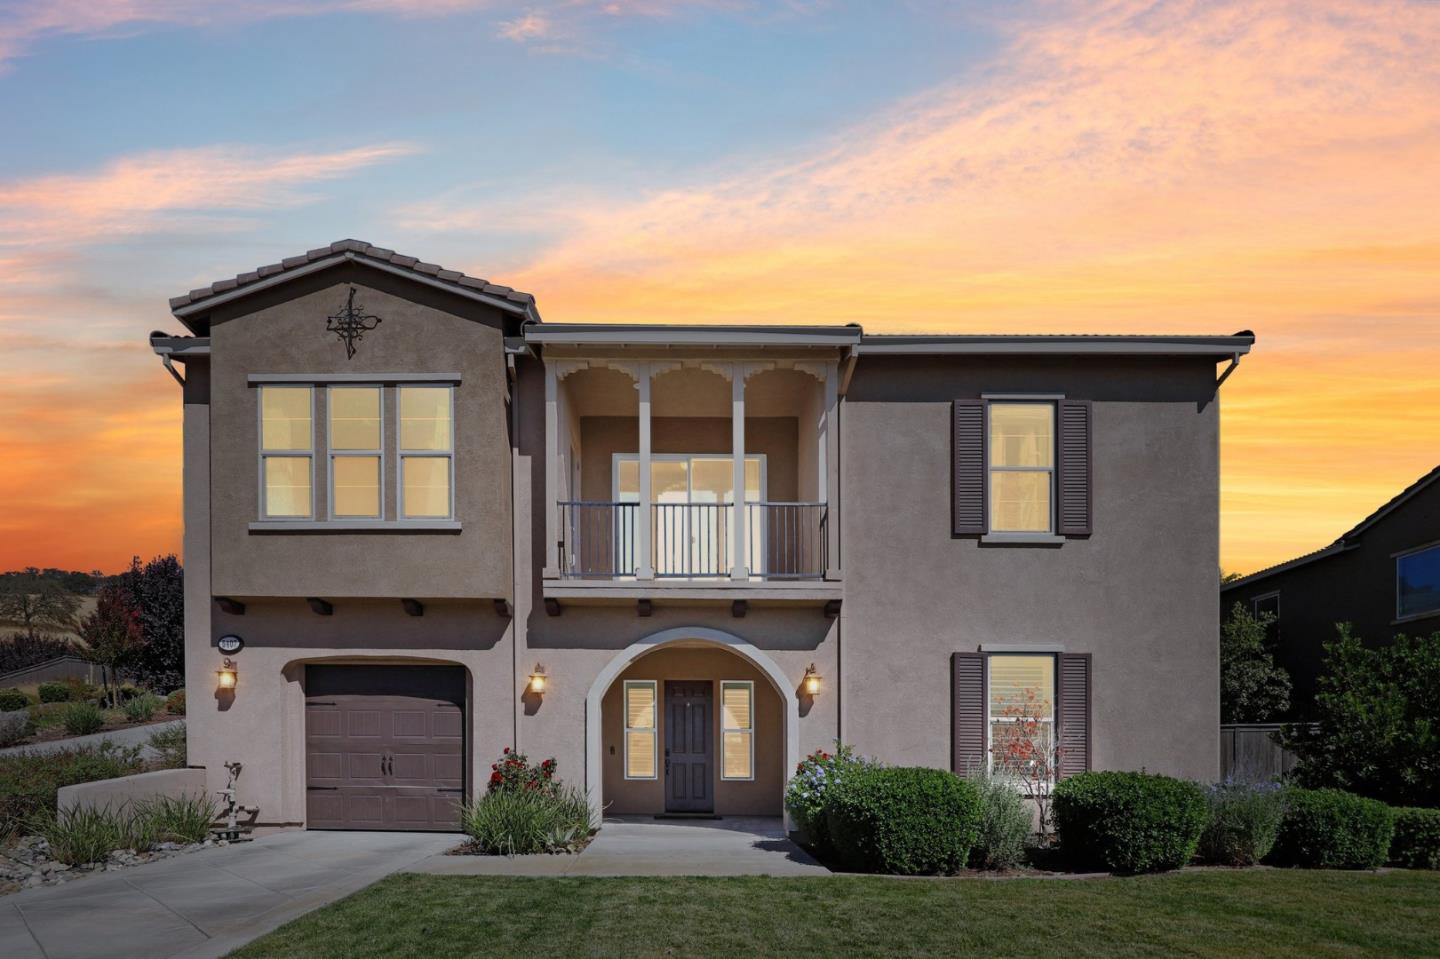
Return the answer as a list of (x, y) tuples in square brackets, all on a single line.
[(54, 692), (15, 726), (142, 709), (175, 703), (1244, 822), (903, 820), (1416, 843), (815, 778), (1005, 825), (13, 699), (1333, 829), (517, 822), (1129, 822), (82, 719), (29, 780), (170, 744)]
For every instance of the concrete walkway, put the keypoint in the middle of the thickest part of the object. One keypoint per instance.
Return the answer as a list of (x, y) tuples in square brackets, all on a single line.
[(644, 846), (132, 736), (206, 903)]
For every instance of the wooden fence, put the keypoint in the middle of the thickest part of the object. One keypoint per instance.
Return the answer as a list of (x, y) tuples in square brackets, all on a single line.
[(1252, 752)]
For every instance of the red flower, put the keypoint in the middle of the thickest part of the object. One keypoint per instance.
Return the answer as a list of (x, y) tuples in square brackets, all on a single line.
[(496, 778), (506, 750)]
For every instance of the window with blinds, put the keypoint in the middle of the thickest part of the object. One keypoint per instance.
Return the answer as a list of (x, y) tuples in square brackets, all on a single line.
[(287, 444), (1020, 713), (737, 729), (640, 734)]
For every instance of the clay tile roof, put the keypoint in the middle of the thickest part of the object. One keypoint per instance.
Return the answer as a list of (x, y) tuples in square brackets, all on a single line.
[(358, 249)]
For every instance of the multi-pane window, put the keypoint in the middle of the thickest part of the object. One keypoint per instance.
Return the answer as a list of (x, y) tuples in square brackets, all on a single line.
[(427, 452), (1021, 714), (1022, 467), (1268, 606), (640, 732), (1417, 582), (287, 446), (356, 452), (737, 729)]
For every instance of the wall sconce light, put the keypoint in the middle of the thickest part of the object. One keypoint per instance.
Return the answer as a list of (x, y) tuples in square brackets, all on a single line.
[(227, 674), (811, 683), (537, 680)]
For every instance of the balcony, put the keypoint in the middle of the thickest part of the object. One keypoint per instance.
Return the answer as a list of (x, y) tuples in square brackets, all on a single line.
[(645, 458)]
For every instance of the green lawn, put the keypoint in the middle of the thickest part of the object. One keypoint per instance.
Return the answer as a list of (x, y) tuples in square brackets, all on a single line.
[(1200, 913)]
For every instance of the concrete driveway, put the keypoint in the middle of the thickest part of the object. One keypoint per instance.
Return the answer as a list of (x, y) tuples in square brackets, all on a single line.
[(206, 903)]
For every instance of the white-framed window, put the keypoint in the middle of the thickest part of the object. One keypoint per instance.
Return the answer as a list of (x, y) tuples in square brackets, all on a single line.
[(688, 533), (1021, 466), (357, 451), (426, 445), (1020, 713), (737, 729), (641, 735), (1417, 582), (287, 452)]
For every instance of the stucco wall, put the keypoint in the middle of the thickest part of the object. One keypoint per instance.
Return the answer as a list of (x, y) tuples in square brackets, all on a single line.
[(758, 797), (1139, 594), (125, 791), (422, 331), (602, 437), (1356, 586)]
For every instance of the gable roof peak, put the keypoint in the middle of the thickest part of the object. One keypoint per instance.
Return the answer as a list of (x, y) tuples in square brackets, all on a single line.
[(200, 300)]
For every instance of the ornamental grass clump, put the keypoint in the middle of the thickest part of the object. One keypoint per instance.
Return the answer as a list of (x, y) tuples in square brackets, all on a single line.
[(82, 719), (1129, 822), (143, 707), (815, 779), (85, 834), (1005, 824), (180, 819), (1244, 822), (903, 820), (1333, 829), (527, 810)]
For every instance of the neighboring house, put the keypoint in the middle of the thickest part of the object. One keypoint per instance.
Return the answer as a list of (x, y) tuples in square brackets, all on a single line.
[(1382, 577), (442, 528)]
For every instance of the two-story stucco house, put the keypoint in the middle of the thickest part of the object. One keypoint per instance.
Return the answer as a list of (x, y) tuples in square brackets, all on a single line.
[(422, 525)]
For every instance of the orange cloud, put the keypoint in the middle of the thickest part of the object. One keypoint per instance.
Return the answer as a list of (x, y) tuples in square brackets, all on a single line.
[(1136, 166)]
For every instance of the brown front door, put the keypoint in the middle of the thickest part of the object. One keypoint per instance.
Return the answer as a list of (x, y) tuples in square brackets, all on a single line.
[(385, 747), (689, 747)]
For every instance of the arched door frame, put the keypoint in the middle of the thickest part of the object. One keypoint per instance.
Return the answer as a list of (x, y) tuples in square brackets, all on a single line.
[(594, 734)]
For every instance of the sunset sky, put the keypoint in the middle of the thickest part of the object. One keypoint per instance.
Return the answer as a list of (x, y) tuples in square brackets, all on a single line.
[(1146, 167)]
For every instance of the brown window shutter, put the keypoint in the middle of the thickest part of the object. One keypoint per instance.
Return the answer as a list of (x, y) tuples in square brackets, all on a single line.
[(967, 452), (967, 713), (1075, 475), (1073, 710)]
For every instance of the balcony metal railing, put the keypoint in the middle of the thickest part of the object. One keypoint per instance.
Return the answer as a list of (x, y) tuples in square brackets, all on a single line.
[(599, 540), (790, 539)]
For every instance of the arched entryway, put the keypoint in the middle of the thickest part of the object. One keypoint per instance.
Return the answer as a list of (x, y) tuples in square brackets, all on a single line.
[(678, 673)]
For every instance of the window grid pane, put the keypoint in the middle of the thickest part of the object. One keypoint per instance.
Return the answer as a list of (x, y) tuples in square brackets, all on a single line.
[(285, 418), (737, 722), (287, 487), (640, 733), (736, 745), (1020, 501), (355, 418), (1022, 434), (425, 418), (425, 486), (356, 486), (1418, 582)]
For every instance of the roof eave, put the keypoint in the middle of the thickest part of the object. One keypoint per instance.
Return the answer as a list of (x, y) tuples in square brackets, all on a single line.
[(1220, 347), (833, 337)]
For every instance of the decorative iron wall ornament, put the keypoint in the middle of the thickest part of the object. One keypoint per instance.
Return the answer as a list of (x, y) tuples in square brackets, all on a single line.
[(351, 324)]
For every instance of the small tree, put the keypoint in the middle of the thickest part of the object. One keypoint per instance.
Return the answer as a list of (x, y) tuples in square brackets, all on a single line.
[(113, 635), (1377, 721), (159, 591), (36, 602), (1253, 688), (1025, 751)]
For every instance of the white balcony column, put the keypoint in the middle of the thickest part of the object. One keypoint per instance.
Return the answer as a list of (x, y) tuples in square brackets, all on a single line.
[(644, 560), (552, 474), (739, 555), (829, 460)]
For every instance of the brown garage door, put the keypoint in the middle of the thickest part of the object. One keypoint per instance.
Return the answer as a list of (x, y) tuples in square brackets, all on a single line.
[(385, 746)]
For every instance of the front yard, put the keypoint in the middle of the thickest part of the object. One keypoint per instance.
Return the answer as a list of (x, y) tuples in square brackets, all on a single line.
[(1304, 914)]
